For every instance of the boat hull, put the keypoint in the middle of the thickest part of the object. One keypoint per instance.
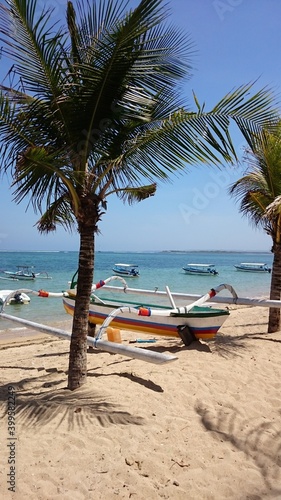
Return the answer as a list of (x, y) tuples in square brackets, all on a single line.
[(203, 322), (128, 270), (201, 269), (252, 270), (200, 273), (16, 297), (127, 274), (21, 277)]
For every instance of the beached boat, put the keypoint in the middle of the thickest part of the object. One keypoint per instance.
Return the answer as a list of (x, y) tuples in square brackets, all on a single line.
[(190, 322), (201, 269), (253, 267), (13, 297), (128, 270), (183, 321)]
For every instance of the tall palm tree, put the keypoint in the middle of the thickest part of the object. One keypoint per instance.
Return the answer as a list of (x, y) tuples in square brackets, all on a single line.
[(95, 109), (259, 195)]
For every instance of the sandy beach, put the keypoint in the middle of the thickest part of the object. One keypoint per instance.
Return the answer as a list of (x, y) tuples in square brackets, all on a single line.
[(206, 426)]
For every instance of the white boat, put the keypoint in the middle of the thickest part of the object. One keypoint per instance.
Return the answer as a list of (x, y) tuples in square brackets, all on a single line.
[(13, 297), (22, 273), (201, 269), (253, 267), (190, 322), (136, 352), (128, 270)]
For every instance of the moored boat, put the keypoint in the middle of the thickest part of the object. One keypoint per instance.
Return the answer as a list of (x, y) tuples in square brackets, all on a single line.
[(13, 297), (201, 269), (22, 273), (128, 270), (254, 267)]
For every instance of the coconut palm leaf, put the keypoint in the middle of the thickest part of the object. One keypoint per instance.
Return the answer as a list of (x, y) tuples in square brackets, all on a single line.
[(258, 193)]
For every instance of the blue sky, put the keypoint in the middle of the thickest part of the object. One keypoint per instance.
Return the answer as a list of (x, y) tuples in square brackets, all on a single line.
[(236, 42)]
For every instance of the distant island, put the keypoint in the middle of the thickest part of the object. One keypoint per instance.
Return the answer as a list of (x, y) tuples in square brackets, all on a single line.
[(216, 251)]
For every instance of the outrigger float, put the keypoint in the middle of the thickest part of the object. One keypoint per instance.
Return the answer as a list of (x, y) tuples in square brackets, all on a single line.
[(162, 320)]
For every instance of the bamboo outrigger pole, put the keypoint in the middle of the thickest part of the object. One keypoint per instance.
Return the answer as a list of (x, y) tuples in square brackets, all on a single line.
[(113, 347), (235, 299)]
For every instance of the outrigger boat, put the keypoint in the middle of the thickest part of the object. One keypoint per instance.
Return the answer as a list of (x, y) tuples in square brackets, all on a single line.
[(24, 273), (190, 322), (181, 313), (97, 342)]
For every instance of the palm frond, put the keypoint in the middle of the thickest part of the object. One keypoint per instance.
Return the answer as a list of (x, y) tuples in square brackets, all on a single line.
[(42, 175), (99, 108), (135, 194), (58, 213), (258, 192), (273, 209), (251, 113), (30, 40)]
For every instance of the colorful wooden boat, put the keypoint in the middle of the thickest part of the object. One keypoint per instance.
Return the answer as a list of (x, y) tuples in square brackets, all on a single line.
[(190, 322)]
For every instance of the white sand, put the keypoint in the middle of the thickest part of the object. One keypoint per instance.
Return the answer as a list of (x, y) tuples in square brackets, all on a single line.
[(206, 426)]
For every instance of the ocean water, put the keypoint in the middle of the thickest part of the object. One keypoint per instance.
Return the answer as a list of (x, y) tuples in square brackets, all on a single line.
[(157, 269)]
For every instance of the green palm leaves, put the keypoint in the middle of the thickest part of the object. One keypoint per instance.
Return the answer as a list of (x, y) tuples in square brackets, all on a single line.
[(259, 190), (100, 95)]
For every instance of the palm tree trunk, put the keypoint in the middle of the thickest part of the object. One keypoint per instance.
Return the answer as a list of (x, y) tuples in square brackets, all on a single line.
[(275, 290), (77, 370)]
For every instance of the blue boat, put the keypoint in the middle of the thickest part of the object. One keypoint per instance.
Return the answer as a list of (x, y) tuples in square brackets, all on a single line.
[(201, 269), (254, 267), (128, 270)]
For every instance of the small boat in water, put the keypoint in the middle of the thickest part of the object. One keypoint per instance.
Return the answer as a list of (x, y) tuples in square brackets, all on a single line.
[(22, 273), (201, 269), (253, 267), (13, 297), (128, 270)]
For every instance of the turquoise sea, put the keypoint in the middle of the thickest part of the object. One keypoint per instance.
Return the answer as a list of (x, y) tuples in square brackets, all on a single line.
[(157, 269)]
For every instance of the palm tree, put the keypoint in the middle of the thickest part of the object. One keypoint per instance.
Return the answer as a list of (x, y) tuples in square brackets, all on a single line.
[(95, 109), (259, 195)]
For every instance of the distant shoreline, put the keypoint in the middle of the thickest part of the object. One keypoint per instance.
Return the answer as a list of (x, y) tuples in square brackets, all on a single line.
[(144, 251)]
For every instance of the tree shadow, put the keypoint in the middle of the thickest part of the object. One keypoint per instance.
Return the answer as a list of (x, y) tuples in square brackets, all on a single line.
[(261, 442), (268, 339), (80, 408), (230, 346), (53, 354), (178, 347), (134, 378)]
